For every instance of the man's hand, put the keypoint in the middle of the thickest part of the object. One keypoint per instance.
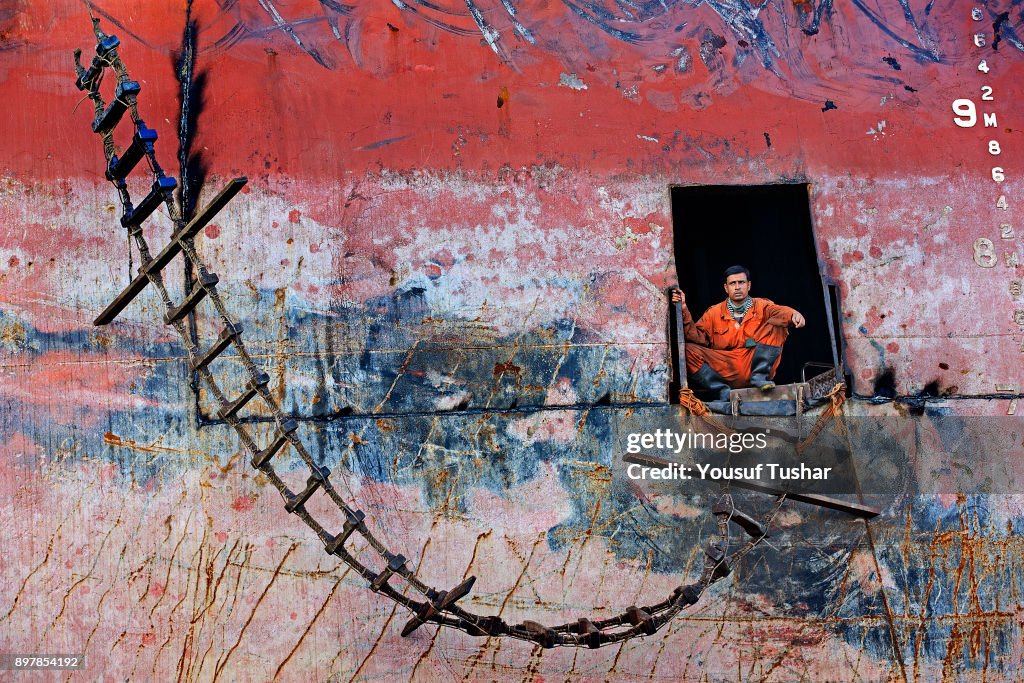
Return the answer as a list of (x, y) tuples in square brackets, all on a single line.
[(678, 297), (798, 320)]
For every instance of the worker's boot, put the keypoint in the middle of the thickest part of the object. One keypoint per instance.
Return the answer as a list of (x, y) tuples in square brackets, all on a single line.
[(707, 379), (761, 364)]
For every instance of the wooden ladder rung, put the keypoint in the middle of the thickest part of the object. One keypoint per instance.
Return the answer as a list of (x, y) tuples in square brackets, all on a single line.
[(227, 336), (251, 388), (112, 115), (288, 428), (314, 482), (206, 282), (169, 252), (353, 523), (149, 203), (142, 142)]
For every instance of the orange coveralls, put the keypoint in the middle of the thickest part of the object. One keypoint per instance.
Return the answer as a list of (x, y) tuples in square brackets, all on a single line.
[(719, 341)]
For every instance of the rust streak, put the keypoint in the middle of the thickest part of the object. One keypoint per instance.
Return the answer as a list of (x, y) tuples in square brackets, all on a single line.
[(533, 668), (896, 645), (216, 619), (394, 610), (241, 633), (586, 538), (281, 352), (924, 602), (309, 626), (128, 362), (46, 558), (88, 575), (401, 372), (465, 574), (216, 585), (186, 646), (212, 591), (111, 585), (664, 640), (238, 578), (170, 564), (112, 439), (475, 660)]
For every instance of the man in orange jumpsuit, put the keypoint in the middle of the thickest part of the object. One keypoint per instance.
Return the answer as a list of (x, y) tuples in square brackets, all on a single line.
[(737, 343)]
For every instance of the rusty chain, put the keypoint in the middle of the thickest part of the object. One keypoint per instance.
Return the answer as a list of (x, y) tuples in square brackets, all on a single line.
[(432, 606)]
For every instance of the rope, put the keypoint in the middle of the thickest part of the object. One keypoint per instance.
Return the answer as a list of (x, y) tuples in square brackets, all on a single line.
[(689, 402), (836, 397)]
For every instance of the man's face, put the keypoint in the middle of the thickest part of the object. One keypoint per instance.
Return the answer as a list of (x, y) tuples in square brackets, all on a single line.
[(737, 287)]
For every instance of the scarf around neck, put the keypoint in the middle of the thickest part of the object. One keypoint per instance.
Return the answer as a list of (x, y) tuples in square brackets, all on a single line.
[(738, 311)]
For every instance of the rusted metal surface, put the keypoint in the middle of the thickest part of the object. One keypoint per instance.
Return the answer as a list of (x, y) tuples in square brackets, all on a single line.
[(466, 297), (438, 607)]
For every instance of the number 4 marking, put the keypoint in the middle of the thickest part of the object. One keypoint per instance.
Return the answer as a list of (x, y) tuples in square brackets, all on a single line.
[(1001, 203), (983, 67)]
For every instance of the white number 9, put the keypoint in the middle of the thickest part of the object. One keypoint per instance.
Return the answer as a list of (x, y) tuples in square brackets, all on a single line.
[(966, 113)]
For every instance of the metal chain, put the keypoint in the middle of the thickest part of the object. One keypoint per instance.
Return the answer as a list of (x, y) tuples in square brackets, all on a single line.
[(436, 606)]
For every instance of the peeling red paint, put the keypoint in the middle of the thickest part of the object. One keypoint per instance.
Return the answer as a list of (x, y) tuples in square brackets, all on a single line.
[(853, 257), (494, 217)]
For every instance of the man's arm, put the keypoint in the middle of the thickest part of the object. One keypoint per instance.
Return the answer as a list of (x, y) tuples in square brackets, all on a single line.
[(695, 333), (783, 316)]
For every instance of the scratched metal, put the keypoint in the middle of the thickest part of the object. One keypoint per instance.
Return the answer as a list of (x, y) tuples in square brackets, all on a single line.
[(413, 252)]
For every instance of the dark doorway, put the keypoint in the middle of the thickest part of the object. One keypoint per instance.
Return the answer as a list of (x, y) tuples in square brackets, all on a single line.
[(766, 228)]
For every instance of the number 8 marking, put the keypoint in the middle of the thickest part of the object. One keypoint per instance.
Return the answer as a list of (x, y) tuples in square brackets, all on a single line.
[(984, 253)]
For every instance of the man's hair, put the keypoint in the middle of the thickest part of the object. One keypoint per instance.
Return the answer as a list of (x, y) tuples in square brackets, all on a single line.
[(735, 270)]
